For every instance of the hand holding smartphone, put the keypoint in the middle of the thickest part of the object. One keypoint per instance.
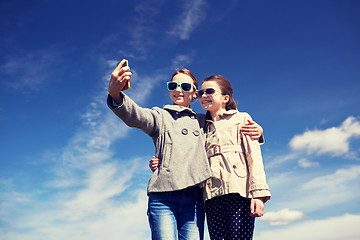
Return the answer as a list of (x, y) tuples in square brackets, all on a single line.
[(127, 85)]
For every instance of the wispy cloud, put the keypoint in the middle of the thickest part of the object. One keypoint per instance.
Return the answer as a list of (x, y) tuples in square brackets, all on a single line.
[(309, 192), (280, 160), (143, 25), (341, 227), (282, 217), (29, 71), (92, 194), (182, 60), (332, 182), (305, 163), (333, 141), (86, 196), (194, 12), (114, 218)]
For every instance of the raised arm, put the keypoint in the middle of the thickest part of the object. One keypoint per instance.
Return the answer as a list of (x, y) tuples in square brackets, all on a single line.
[(125, 108)]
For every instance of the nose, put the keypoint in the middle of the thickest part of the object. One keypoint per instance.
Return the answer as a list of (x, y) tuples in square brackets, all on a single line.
[(178, 89)]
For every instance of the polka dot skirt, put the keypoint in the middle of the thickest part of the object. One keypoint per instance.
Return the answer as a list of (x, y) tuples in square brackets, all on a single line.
[(228, 217)]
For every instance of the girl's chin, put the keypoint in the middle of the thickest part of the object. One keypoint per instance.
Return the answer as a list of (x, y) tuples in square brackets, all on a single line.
[(206, 107)]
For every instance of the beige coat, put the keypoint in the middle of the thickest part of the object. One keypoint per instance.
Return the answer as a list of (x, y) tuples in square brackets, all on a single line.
[(235, 160)]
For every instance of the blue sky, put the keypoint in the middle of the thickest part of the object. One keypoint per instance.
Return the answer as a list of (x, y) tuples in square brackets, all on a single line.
[(69, 169)]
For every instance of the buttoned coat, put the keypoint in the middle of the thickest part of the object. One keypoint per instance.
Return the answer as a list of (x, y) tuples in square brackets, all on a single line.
[(235, 159), (178, 136)]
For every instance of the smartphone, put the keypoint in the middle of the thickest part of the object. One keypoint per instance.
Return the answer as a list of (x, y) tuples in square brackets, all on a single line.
[(127, 85), (126, 63)]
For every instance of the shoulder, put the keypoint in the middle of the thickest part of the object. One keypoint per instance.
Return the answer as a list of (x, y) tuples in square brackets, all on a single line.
[(157, 109), (242, 116)]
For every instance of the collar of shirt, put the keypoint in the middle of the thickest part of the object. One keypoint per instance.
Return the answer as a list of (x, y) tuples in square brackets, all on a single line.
[(178, 108), (221, 116)]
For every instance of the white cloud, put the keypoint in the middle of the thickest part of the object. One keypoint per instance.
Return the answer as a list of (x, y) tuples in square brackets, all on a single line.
[(282, 217), (30, 70), (104, 181), (341, 227), (311, 192), (111, 204), (305, 163), (333, 141), (92, 195), (180, 60), (89, 196), (193, 14), (279, 160), (336, 181), (143, 25)]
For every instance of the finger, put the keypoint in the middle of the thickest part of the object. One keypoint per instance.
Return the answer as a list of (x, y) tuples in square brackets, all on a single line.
[(251, 133), (260, 212), (119, 71), (249, 130), (252, 206), (250, 122), (120, 64), (260, 209), (250, 127), (124, 74), (118, 77)]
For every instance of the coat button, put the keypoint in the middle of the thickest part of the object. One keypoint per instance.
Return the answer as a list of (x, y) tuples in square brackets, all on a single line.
[(234, 166), (184, 131), (196, 133)]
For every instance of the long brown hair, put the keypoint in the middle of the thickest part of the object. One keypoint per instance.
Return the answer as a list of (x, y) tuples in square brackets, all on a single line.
[(226, 89)]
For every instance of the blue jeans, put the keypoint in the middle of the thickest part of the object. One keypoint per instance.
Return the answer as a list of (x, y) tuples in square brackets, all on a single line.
[(177, 213)]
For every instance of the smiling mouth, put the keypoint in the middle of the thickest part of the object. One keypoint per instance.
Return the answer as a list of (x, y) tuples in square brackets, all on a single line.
[(178, 96)]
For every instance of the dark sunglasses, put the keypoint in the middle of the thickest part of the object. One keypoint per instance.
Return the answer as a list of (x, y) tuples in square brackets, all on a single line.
[(207, 91), (186, 87)]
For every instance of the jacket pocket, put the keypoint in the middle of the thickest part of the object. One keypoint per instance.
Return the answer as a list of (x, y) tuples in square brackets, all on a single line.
[(238, 164), (167, 150)]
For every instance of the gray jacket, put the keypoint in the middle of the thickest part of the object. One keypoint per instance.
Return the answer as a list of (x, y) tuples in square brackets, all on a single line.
[(179, 142)]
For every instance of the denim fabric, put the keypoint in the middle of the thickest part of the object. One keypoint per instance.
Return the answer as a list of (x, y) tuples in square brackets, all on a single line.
[(177, 214)]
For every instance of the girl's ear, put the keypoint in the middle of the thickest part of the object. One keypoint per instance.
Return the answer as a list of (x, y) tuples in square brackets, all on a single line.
[(226, 98), (195, 95)]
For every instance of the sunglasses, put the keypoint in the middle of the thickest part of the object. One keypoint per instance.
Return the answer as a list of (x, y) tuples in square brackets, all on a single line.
[(186, 87), (208, 91)]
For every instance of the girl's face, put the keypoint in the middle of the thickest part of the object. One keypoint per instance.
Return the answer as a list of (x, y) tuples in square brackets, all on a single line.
[(215, 101), (178, 96)]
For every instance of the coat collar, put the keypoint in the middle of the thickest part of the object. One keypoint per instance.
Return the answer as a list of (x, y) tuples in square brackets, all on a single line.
[(178, 108), (224, 115)]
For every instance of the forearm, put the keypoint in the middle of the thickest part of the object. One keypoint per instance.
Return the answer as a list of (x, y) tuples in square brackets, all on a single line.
[(133, 115)]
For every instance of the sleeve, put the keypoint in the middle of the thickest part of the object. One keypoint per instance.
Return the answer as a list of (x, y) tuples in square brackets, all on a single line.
[(257, 177), (135, 116)]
